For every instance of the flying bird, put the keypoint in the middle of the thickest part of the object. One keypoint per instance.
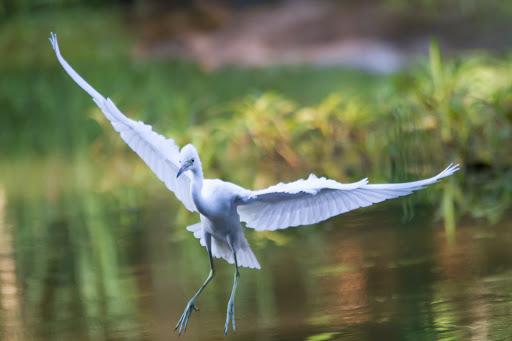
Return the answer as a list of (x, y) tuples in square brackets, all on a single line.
[(222, 206)]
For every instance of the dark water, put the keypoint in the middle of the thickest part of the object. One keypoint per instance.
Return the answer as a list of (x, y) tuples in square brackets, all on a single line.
[(91, 266)]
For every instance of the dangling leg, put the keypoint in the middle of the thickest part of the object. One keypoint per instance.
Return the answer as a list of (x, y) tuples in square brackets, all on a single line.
[(231, 303), (191, 304)]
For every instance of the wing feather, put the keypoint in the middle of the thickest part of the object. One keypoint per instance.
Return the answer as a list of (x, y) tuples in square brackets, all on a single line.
[(336, 201), (305, 202), (159, 153)]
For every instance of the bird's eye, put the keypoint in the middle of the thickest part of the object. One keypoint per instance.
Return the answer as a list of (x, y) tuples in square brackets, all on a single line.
[(192, 160)]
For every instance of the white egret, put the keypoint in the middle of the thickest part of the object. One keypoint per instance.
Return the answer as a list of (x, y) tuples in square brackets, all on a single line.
[(222, 206)]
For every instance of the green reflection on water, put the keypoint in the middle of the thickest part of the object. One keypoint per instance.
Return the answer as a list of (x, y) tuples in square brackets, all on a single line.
[(69, 265), (103, 263)]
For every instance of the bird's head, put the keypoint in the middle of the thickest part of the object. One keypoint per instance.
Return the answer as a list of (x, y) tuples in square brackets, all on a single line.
[(189, 159)]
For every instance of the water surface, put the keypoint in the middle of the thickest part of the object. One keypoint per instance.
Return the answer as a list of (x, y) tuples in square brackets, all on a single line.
[(87, 265)]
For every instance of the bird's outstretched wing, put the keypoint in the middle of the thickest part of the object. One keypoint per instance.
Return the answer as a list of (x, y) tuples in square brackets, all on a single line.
[(159, 153), (310, 201)]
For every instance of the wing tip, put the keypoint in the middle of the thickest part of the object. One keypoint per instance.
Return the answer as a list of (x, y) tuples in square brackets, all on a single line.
[(449, 171), (53, 41)]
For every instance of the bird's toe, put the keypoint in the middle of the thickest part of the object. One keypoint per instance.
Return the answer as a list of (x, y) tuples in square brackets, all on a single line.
[(183, 322)]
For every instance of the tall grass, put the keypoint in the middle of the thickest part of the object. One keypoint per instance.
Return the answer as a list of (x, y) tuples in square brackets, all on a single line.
[(257, 126)]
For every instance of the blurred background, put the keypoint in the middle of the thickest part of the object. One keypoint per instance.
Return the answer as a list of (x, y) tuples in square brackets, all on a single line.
[(94, 247)]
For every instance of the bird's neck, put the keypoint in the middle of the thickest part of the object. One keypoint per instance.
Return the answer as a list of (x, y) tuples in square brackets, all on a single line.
[(196, 187)]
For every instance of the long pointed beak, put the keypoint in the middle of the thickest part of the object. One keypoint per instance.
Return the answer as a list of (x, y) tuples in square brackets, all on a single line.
[(182, 169)]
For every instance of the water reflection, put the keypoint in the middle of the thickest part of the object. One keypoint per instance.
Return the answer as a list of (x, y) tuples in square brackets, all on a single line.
[(10, 325), (86, 266), (70, 275)]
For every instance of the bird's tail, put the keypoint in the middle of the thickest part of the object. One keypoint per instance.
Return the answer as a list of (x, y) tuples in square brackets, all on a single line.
[(220, 249), (245, 257)]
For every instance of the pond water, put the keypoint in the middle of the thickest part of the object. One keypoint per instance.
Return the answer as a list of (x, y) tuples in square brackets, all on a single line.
[(88, 266)]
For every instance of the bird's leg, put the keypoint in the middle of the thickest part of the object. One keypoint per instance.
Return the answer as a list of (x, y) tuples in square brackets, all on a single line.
[(231, 304), (183, 322)]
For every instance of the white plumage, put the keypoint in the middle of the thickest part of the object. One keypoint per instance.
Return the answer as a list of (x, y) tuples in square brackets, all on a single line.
[(223, 205), (310, 201)]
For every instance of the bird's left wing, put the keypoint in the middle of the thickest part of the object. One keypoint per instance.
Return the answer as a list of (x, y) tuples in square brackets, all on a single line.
[(159, 153), (310, 201)]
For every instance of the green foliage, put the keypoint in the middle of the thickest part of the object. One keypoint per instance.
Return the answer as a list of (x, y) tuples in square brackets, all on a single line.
[(439, 112), (460, 110), (265, 124), (290, 137)]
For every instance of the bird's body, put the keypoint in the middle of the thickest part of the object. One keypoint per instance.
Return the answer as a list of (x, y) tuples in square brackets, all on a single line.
[(222, 206), (222, 222)]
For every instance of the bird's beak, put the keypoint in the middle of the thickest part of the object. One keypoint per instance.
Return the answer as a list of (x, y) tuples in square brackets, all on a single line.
[(182, 169)]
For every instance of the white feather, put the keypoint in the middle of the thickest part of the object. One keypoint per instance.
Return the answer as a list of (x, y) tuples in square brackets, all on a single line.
[(310, 201), (159, 153), (221, 249)]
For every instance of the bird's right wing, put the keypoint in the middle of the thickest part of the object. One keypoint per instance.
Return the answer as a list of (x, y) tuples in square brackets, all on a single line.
[(310, 201), (159, 153)]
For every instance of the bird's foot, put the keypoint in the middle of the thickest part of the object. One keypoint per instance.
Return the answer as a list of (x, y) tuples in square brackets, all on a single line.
[(230, 316), (183, 322)]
